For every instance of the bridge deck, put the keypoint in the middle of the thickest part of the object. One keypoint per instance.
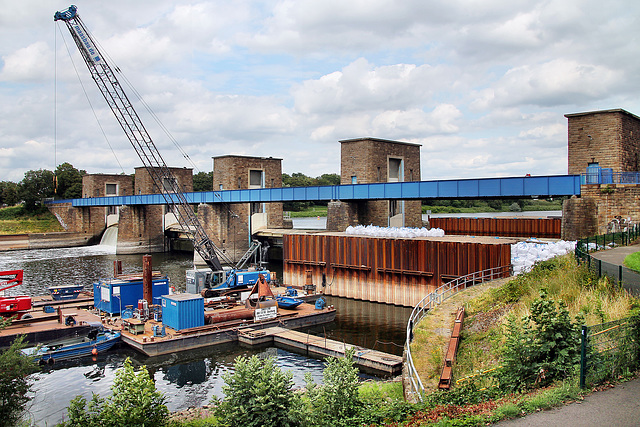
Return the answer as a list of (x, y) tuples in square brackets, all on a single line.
[(510, 187)]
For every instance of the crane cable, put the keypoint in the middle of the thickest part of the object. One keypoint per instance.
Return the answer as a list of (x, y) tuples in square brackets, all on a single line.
[(147, 107), (88, 99)]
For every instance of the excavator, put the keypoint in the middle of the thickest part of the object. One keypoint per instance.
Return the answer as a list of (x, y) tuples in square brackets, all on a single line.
[(215, 281)]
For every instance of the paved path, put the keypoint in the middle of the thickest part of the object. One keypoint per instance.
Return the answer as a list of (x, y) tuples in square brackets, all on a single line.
[(613, 265), (615, 407)]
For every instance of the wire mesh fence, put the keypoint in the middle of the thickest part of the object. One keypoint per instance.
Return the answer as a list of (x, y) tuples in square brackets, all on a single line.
[(623, 276), (609, 350)]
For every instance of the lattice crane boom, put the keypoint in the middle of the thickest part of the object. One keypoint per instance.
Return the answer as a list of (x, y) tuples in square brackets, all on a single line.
[(128, 118)]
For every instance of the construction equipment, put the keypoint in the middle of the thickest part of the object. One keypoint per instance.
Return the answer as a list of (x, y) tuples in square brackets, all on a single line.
[(163, 178), (14, 305)]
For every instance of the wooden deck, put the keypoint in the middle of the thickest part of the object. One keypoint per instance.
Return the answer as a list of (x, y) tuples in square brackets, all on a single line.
[(312, 345)]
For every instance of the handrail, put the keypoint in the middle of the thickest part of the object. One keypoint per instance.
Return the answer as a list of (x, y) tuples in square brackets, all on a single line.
[(432, 300)]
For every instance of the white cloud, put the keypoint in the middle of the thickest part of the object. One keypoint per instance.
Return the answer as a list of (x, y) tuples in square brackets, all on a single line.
[(29, 64), (483, 86)]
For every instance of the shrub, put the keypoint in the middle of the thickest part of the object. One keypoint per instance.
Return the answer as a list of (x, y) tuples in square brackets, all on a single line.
[(257, 394), (135, 401), (540, 347), (14, 382)]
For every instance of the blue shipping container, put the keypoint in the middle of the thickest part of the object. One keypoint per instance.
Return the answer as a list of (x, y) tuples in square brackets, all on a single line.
[(113, 295), (182, 311)]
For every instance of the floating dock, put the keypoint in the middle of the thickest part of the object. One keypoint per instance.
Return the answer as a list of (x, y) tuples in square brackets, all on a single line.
[(43, 327), (312, 345), (142, 338)]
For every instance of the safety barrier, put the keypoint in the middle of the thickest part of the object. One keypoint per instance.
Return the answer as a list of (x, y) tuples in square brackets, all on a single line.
[(431, 301)]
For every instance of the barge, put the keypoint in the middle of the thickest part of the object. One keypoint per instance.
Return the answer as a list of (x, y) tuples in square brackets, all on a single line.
[(182, 324)]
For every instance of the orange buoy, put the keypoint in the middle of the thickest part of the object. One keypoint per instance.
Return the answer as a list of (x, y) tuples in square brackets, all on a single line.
[(94, 351)]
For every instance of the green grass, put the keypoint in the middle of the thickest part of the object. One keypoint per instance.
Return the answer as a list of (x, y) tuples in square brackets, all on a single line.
[(632, 261), (15, 220), (311, 212)]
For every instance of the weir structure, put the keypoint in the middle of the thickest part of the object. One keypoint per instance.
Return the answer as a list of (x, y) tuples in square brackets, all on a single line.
[(380, 185)]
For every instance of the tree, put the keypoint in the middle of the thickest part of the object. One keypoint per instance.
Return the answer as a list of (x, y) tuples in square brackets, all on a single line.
[(134, 401), (203, 181), (257, 394), (297, 180), (336, 402), (8, 193), (541, 347), (328, 179), (69, 181), (15, 383), (36, 186)]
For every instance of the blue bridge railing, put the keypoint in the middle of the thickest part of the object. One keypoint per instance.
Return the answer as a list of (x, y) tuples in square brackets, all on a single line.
[(607, 176)]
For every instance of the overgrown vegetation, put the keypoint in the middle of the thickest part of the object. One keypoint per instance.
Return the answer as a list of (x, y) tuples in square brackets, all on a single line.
[(15, 383), (520, 346), (135, 401)]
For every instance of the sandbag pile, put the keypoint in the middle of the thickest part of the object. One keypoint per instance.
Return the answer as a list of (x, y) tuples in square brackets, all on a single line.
[(396, 232), (525, 254)]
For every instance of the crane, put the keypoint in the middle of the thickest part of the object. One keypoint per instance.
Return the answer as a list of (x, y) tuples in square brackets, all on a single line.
[(163, 178)]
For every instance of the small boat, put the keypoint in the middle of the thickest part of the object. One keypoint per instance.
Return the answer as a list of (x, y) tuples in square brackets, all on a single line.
[(288, 302), (95, 342), (66, 292)]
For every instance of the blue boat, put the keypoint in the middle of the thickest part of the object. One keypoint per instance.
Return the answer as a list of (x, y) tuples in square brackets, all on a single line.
[(95, 342), (288, 302), (66, 292)]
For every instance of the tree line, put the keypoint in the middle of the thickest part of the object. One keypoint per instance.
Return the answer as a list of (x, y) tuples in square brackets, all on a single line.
[(66, 183)]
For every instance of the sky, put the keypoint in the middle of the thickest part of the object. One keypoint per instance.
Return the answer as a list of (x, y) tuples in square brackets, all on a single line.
[(483, 86)]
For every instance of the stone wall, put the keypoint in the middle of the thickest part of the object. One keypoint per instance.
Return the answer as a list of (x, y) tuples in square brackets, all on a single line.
[(144, 182), (367, 159), (140, 229), (341, 215), (233, 173), (95, 185), (610, 138)]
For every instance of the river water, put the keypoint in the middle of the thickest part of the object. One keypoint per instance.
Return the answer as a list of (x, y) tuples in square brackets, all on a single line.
[(189, 379)]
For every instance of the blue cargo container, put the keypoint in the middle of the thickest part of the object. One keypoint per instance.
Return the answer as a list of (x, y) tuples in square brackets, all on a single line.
[(182, 311), (113, 295)]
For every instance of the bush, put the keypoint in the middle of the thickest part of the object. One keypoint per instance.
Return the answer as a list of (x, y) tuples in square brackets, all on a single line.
[(135, 401), (540, 347), (14, 383), (336, 402), (257, 394)]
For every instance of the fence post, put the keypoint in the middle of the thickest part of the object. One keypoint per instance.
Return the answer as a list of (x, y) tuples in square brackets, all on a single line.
[(583, 357), (620, 275)]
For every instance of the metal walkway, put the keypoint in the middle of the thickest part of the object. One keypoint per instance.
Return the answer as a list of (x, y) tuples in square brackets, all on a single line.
[(494, 188)]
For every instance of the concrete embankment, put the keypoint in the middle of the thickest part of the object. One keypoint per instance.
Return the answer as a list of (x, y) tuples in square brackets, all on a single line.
[(13, 242)]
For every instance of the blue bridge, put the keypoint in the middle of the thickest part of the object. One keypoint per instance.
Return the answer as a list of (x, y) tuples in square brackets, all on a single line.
[(494, 188)]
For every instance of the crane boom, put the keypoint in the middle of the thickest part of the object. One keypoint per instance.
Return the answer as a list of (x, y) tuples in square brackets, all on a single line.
[(130, 122)]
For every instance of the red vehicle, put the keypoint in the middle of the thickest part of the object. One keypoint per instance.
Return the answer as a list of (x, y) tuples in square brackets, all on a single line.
[(17, 305)]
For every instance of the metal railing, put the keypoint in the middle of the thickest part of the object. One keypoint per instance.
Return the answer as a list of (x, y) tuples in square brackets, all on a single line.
[(606, 176), (432, 300)]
